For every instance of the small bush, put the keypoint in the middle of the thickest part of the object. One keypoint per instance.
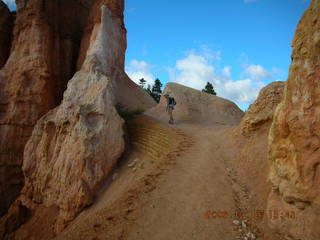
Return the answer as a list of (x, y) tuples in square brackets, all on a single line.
[(127, 115)]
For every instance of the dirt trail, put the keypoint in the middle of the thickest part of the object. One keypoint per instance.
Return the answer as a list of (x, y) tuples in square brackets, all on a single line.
[(198, 183), (190, 192)]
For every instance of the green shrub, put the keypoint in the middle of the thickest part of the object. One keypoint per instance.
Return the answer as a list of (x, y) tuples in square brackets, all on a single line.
[(126, 114)]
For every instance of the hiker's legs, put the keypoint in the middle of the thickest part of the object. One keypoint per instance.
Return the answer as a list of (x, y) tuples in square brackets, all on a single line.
[(170, 114)]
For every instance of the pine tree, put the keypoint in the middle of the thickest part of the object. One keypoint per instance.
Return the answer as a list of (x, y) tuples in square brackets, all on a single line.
[(209, 89), (142, 82), (156, 90), (149, 89)]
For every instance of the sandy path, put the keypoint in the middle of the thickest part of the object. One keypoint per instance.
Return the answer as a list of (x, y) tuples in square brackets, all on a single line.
[(198, 183), (170, 200)]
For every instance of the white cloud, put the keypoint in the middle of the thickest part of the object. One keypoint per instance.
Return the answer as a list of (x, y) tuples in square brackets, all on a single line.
[(140, 69), (256, 72), (227, 71), (241, 91), (195, 70)]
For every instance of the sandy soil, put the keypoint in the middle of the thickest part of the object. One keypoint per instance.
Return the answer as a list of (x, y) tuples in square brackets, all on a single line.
[(189, 189)]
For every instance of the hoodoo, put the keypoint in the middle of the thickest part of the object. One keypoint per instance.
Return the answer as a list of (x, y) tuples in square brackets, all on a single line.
[(73, 130)]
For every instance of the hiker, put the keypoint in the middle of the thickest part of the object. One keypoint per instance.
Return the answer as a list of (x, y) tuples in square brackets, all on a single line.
[(170, 106)]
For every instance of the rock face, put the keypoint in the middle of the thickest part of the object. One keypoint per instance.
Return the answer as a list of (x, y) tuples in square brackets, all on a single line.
[(50, 43), (294, 140), (21, 4), (262, 110), (74, 146), (128, 95), (42, 59), (196, 106), (6, 26), (251, 162), (251, 138)]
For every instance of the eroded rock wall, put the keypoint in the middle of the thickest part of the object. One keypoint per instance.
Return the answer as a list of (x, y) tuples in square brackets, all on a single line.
[(262, 110), (294, 139), (47, 36), (251, 166), (26, 93), (74, 147)]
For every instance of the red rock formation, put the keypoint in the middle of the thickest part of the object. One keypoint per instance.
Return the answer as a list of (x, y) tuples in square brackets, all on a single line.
[(50, 37), (43, 57), (294, 140), (6, 26), (116, 7), (85, 130), (128, 95), (74, 147), (251, 164), (262, 110), (11, 222), (21, 4)]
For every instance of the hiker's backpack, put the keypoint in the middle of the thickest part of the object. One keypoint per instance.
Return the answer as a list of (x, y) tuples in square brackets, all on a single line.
[(172, 101)]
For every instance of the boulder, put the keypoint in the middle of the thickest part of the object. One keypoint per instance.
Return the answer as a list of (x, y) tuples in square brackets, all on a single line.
[(262, 110), (198, 107), (294, 139)]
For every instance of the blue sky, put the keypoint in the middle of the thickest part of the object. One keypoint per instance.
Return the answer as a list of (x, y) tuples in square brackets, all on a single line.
[(238, 45), (10, 3)]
